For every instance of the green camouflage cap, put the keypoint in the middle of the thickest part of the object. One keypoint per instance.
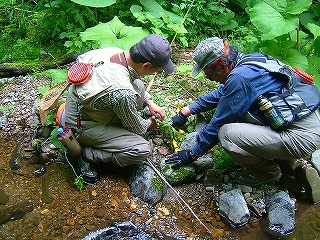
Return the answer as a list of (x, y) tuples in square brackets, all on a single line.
[(207, 52)]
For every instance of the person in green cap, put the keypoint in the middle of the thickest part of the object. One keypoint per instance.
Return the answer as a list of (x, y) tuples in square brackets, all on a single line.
[(267, 114)]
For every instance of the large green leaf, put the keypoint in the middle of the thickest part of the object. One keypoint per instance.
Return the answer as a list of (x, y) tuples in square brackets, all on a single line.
[(95, 3), (271, 19), (298, 6), (295, 59), (282, 49), (114, 34), (314, 29), (314, 69)]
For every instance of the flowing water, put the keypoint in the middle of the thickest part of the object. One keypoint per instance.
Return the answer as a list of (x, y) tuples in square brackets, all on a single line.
[(41, 202)]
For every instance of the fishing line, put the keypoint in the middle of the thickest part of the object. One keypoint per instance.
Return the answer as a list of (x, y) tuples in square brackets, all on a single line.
[(149, 163)]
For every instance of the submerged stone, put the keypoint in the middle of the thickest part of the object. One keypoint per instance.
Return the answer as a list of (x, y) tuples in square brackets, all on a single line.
[(147, 185), (233, 208), (121, 230), (280, 219), (15, 212)]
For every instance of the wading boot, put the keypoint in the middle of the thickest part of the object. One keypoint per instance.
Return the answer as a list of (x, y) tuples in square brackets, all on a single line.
[(265, 172), (82, 168), (309, 179)]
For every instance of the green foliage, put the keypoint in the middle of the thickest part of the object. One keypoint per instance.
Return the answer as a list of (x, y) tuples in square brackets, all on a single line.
[(157, 183), (79, 183), (28, 27), (292, 41), (171, 133), (95, 3), (50, 118), (4, 108), (181, 174), (56, 75), (222, 160), (159, 21), (74, 42), (37, 144), (276, 13), (114, 33), (54, 139), (206, 18)]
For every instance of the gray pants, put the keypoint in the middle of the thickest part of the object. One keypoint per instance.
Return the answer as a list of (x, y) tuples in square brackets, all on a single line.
[(114, 143), (252, 144)]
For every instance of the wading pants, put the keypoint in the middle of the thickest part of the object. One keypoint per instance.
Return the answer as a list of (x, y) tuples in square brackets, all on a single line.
[(254, 144), (113, 143)]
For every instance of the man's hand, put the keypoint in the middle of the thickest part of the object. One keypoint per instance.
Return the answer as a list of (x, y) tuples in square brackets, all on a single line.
[(156, 110), (180, 158), (178, 120)]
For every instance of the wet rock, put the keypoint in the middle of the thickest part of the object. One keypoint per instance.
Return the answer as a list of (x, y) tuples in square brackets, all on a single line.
[(15, 161), (191, 139), (256, 206), (244, 188), (280, 219), (289, 182), (233, 208), (204, 162), (15, 212), (182, 174), (315, 160), (309, 178), (147, 185), (3, 121), (200, 122), (123, 230), (212, 178), (40, 171)]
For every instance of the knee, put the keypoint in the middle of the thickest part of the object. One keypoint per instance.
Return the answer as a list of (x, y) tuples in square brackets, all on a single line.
[(225, 136), (135, 155)]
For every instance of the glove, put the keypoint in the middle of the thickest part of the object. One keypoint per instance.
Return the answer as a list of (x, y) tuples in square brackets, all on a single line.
[(180, 158), (178, 120)]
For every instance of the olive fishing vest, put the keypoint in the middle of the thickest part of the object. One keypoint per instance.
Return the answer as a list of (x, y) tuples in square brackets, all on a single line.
[(297, 99)]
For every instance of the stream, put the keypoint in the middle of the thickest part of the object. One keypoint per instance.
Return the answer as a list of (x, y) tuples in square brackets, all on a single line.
[(40, 201)]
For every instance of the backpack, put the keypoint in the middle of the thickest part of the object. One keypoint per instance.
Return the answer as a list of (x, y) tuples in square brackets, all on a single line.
[(298, 98)]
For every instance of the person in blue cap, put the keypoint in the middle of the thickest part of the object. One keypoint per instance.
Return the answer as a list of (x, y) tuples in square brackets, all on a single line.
[(261, 135)]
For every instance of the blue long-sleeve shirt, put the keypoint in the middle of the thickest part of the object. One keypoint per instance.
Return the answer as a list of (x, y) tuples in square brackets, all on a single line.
[(232, 101)]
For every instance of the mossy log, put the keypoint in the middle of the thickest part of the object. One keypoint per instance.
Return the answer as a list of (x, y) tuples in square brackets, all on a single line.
[(14, 70)]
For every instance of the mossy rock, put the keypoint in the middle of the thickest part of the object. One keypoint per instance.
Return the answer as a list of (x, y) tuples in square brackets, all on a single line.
[(182, 174), (222, 160)]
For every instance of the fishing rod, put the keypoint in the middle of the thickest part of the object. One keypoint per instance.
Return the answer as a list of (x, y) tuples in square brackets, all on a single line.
[(149, 163)]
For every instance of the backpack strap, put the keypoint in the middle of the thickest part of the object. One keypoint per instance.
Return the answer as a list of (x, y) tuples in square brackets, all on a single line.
[(251, 60)]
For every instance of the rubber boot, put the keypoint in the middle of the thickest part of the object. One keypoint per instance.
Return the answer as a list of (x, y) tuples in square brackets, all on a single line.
[(309, 179), (289, 165), (306, 176), (265, 172)]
